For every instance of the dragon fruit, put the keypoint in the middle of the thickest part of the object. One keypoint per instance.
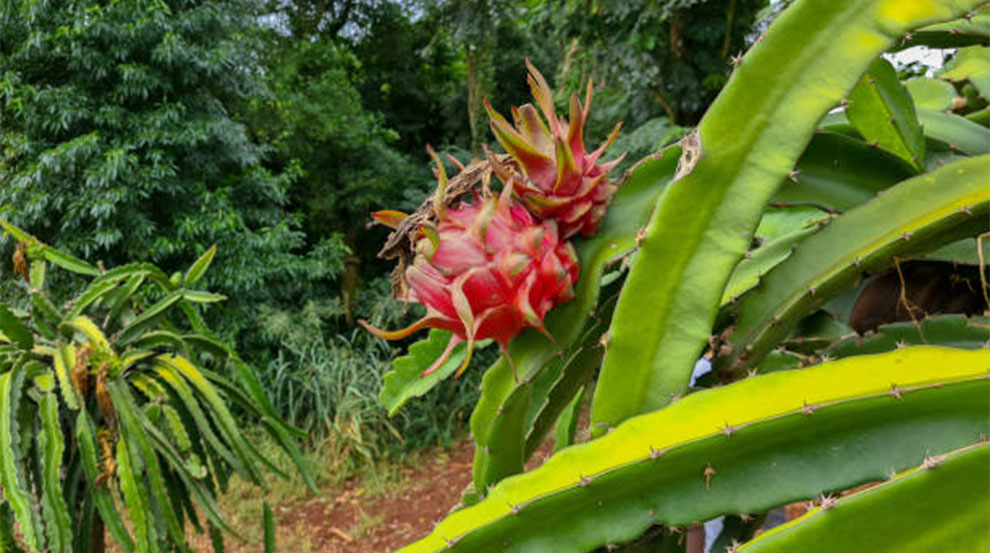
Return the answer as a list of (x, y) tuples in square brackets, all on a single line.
[(486, 269), (562, 181)]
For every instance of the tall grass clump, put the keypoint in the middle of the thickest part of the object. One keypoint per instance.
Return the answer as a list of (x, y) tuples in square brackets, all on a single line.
[(326, 379)]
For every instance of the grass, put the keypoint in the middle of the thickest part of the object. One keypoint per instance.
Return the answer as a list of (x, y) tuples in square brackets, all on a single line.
[(326, 381)]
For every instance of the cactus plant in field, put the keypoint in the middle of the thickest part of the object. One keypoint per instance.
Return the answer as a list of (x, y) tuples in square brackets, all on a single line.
[(818, 194), (113, 414)]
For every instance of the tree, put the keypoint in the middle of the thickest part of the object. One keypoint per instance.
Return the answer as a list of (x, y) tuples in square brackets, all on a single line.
[(316, 121), (667, 56), (118, 139)]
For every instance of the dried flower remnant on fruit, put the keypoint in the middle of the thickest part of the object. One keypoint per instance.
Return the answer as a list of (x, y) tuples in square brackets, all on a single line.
[(485, 269), (400, 244), (560, 180)]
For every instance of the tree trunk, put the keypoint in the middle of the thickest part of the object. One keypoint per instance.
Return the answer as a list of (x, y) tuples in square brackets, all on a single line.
[(97, 540), (351, 278), (473, 93), (478, 52)]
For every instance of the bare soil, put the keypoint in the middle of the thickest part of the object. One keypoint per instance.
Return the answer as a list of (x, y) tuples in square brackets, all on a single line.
[(353, 523)]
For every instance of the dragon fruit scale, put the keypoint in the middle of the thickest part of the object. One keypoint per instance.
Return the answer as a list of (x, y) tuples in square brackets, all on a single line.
[(485, 269), (561, 180)]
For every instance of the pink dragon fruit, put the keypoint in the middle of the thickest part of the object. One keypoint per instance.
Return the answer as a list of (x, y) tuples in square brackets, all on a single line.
[(562, 181), (487, 269)]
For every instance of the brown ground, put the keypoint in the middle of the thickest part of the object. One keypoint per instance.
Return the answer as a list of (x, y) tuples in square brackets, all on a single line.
[(383, 524), (351, 523), (351, 519)]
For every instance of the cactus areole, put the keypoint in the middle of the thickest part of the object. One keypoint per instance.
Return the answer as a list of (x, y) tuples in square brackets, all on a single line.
[(486, 269)]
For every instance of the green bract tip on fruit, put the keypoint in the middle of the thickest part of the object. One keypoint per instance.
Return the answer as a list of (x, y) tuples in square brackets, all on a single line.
[(560, 181)]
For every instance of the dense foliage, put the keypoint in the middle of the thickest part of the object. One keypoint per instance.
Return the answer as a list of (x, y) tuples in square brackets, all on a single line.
[(151, 131), (118, 141)]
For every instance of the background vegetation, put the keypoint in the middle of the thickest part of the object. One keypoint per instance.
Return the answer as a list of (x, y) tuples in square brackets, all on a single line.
[(139, 135), (150, 131)]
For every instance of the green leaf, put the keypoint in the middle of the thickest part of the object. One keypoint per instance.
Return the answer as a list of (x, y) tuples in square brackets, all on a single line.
[(973, 64), (942, 505), (837, 172), (218, 410), (69, 262), (7, 542), (17, 233), (192, 406), (931, 93), (159, 338), (94, 292), (742, 448), (122, 297), (816, 332), (253, 387), (145, 319), (917, 215), (269, 522), (199, 267), (758, 262), (93, 334), (566, 426), (576, 371), (52, 444), (748, 142), (882, 111), (176, 428), (199, 296), (972, 28), (963, 252), (135, 496), (15, 330), (102, 498), (958, 133), (11, 477), (205, 344), (404, 382), (44, 310), (201, 489), (277, 429), (134, 435), (37, 274), (62, 259), (980, 117), (956, 331)]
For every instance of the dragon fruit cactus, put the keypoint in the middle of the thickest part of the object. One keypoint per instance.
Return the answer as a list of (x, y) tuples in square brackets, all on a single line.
[(562, 181), (486, 269)]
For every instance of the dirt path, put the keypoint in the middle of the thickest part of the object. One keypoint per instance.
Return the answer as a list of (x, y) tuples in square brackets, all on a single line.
[(352, 523)]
